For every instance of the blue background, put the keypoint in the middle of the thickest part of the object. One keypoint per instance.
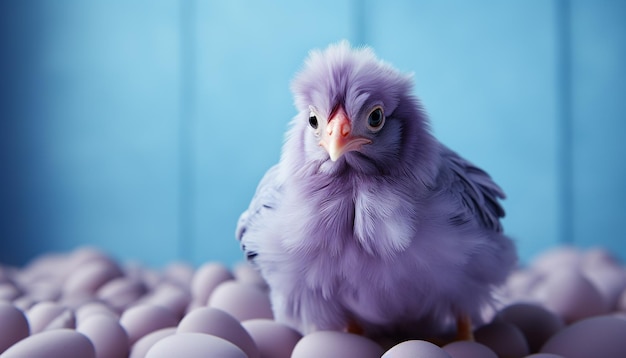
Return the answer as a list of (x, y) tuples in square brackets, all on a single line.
[(142, 127)]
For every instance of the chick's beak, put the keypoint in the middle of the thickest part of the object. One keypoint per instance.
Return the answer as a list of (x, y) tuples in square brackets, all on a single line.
[(337, 139)]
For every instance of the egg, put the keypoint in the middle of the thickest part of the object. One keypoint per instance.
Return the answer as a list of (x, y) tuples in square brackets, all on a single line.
[(149, 277), (569, 294), (242, 301), (86, 255), (602, 336), (621, 302), (416, 349), (89, 277), (245, 273), (194, 305), (109, 338), (92, 308), (520, 283), (598, 256), (544, 355), (505, 339), (194, 345), (206, 278), (121, 292), (333, 344), (143, 345), (170, 296), (13, 325), (57, 343), (179, 273), (557, 258), (73, 302), (273, 339), (46, 267), (142, 319), (218, 323), (609, 279), (536, 323), (50, 315), (24, 303), (44, 290), (467, 349), (9, 292)]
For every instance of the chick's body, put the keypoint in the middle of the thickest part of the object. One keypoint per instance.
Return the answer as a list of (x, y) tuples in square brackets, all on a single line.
[(367, 219)]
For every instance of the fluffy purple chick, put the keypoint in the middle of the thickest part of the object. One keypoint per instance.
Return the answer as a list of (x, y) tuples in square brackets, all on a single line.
[(368, 221)]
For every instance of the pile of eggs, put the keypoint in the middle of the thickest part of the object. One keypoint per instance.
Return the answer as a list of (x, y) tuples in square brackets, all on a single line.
[(566, 303)]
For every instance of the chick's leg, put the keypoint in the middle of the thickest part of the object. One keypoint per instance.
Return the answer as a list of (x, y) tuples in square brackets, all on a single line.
[(354, 328), (464, 328)]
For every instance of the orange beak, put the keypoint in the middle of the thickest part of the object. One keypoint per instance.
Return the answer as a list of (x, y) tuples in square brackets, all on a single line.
[(337, 139)]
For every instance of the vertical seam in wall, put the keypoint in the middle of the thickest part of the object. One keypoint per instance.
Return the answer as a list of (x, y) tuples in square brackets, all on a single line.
[(358, 22), (564, 123), (186, 143)]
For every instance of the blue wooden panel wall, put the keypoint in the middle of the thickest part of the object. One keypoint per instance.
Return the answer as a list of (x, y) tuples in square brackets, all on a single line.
[(599, 123), (142, 127)]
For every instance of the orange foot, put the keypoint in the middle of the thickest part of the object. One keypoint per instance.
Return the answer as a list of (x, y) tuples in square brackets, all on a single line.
[(354, 328), (464, 328)]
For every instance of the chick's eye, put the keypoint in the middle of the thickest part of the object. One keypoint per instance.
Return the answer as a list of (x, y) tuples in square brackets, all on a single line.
[(376, 119), (313, 121)]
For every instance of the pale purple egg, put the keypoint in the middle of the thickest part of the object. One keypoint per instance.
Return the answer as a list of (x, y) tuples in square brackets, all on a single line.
[(5, 274), (179, 273), (467, 349), (142, 319), (89, 277), (143, 345), (505, 339), (9, 292), (24, 303), (221, 324), (92, 308), (83, 257), (44, 290), (243, 301), (557, 258), (331, 344), (52, 344), (520, 284), (193, 305), (619, 314), (50, 266), (194, 345), (621, 302), (609, 279), (206, 278), (170, 296), (75, 301), (121, 292), (109, 338), (86, 254), (416, 349), (602, 336), (544, 355), (50, 315), (273, 339), (245, 273), (536, 323), (13, 325), (599, 256), (569, 294), (149, 277)]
